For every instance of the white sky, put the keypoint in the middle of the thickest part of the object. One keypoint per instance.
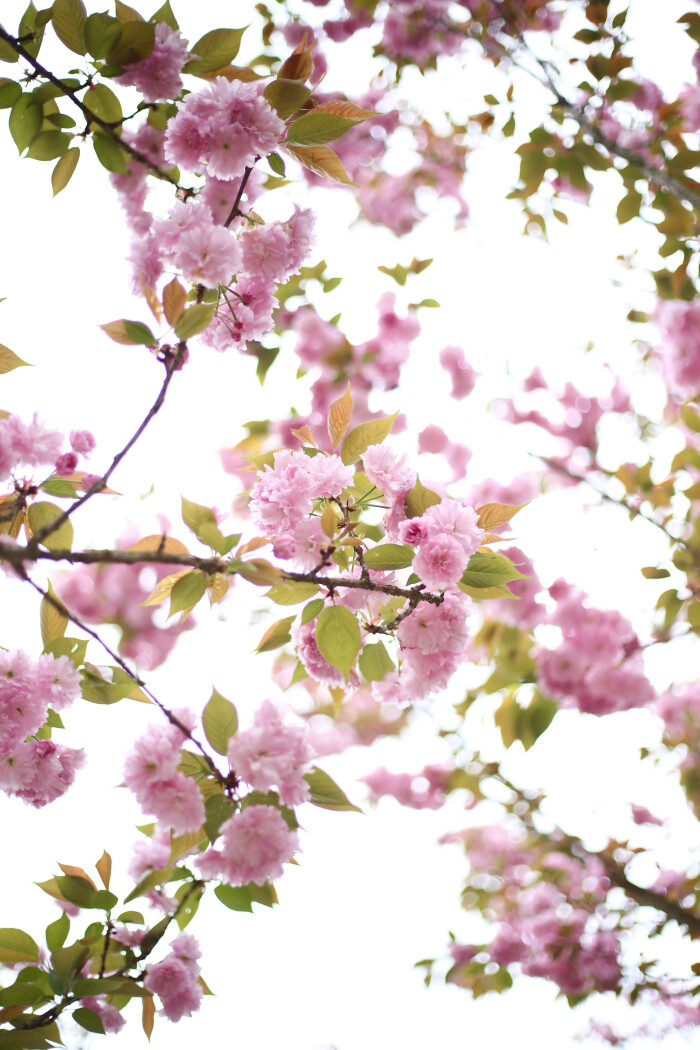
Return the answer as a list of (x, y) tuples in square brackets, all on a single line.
[(372, 894)]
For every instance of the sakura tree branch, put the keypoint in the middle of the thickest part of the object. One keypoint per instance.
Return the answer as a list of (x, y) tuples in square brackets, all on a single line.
[(173, 362), (332, 583), (236, 207), (92, 118), (173, 719)]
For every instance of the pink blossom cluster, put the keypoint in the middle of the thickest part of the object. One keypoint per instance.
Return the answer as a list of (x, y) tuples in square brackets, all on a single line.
[(223, 129), (573, 416), (420, 33), (176, 978), (679, 326), (114, 594), (157, 76), (112, 1020), (424, 790), (37, 771), (459, 370), (34, 445), (151, 773), (273, 754), (598, 667), (446, 536), (433, 439), (433, 641), (283, 495), (253, 846), (531, 15), (553, 927)]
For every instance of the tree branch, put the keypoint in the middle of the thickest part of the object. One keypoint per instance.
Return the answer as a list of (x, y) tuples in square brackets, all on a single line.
[(91, 117)]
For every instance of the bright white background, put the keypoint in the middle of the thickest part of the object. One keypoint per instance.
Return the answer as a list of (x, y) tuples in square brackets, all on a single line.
[(332, 966)]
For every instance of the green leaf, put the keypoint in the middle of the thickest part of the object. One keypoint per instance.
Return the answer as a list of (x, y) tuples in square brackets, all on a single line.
[(88, 1020), (290, 592), (8, 53), (136, 42), (375, 662), (361, 437), (21, 994), (26, 118), (10, 92), (317, 128), (629, 206), (389, 556), (286, 97), (63, 172), (194, 320), (129, 333), (165, 14), (276, 635), (419, 499), (68, 18), (188, 899), (214, 50), (651, 573), (311, 611), (48, 145), (219, 721), (109, 153), (102, 101), (489, 572), (40, 515), (81, 893), (338, 637), (53, 623), (56, 932), (9, 360), (325, 793), (273, 159), (237, 898), (202, 522), (102, 34), (218, 809), (67, 961), (187, 592), (17, 946)]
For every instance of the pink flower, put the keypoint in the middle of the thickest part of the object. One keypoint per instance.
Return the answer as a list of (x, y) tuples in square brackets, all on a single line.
[(273, 755), (460, 371), (82, 442), (66, 464), (176, 979), (440, 561), (679, 324), (223, 129), (276, 251), (157, 76), (388, 473), (208, 254), (454, 518), (254, 844)]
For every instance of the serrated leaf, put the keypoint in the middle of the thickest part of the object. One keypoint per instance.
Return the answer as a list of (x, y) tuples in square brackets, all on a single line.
[(129, 333), (40, 515), (63, 172), (102, 101), (487, 570), (109, 153), (339, 417), (286, 97), (9, 360), (373, 432), (187, 591), (52, 622), (276, 635), (102, 34), (389, 556), (219, 721), (419, 499), (338, 637), (136, 41), (194, 320), (17, 946), (326, 794), (317, 128), (322, 161), (375, 662), (491, 515), (68, 19), (202, 522), (291, 592), (25, 121), (56, 932), (48, 145), (214, 50), (174, 298)]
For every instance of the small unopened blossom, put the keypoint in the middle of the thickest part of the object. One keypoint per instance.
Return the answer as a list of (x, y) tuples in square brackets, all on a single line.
[(82, 442)]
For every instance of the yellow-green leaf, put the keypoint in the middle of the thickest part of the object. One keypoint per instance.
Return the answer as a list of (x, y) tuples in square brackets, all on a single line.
[(9, 360), (40, 515), (276, 635), (338, 637), (361, 437), (63, 172), (339, 416), (219, 721), (68, 18)]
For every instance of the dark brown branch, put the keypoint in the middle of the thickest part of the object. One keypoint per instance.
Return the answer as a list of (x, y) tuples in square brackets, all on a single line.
[(235, 210), (91, 117), (335, 582), (172, 364)]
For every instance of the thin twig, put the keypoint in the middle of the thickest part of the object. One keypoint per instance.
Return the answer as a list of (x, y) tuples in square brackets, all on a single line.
[(91, 117), (235, 210), (172, 364)]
